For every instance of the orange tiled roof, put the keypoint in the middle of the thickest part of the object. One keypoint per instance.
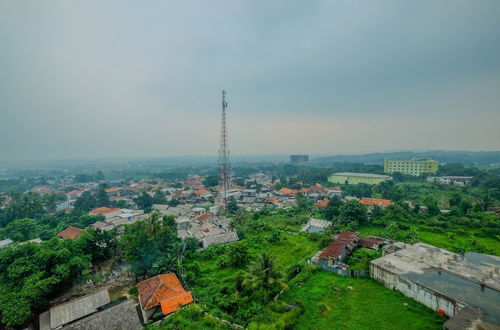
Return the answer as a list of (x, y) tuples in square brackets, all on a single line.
[(204, 216), (286, 191), (322, 204), (110, 190), (73, 192), (304, 190), (375, 201), (274, 200), (71, 232), (103, 210), (201, 191), (163, 290), (318, 185)]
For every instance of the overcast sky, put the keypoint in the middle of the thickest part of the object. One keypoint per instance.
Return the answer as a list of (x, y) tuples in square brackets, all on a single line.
[(144, 78)]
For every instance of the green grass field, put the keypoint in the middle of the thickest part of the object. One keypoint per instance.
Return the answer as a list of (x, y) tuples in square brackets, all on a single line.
[(329, 304)]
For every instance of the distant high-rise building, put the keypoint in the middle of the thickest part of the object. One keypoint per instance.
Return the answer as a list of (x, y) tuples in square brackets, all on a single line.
[(414, 166), (299, 159)]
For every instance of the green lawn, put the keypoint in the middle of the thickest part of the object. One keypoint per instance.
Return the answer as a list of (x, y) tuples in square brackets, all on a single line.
[(329, 304), (322, 299)]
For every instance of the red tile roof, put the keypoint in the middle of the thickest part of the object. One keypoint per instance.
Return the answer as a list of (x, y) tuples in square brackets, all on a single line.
[(71, 232), (74, 192), (204, 216), (103, 210), (322, 204), (163, 290), (335, 249), (286, 191), (201, 191), (375, 201), (304, 190), (111, 190)]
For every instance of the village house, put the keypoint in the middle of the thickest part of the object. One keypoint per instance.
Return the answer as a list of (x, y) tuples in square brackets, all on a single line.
[(375, 201), (71, 232), (162, 293)]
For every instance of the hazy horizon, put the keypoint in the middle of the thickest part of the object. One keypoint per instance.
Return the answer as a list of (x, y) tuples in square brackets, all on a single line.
[(87, 79)]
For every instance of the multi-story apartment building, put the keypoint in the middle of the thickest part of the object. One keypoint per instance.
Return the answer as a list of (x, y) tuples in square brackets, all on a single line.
[(414, 166)]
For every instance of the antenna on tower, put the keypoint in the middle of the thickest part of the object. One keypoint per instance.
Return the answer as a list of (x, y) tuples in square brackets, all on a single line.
[(223, 160)]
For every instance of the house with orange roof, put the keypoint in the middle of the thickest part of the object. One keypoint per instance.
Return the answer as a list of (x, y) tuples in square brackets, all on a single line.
[(375, 201), (104, 210), (204, 216), (200, 192), (322, 204), (287, 191), (71, 232), (162, 292), (112, 191)]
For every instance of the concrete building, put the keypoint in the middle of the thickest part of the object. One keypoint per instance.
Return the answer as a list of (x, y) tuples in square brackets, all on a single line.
[(355, 178), (457, 180), (442, 280), (414, 166)]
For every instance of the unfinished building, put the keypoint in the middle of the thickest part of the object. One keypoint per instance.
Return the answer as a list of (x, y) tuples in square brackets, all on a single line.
[(444, 281)]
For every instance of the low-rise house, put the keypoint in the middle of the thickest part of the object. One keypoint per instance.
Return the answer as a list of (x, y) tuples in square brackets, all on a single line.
[(71, 232), (162, 293), (224, 238), (316, 225), (73, 310), (322, 204), (338, 250), (112, 192), (104, 211), (121, 316), (375, 201)]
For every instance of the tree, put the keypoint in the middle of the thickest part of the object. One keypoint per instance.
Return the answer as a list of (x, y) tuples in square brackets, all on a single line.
[(232, 206), (211, 180), (85, 202), (159, 197), (352, 212), (263, 275), (101, 197), (332, 210), (144, 200), (236, 255), (27, 205), (99, 176), (144, 243), (20, 230)]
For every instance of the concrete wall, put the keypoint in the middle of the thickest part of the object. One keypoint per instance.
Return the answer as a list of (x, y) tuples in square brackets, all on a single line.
[(428, 297)]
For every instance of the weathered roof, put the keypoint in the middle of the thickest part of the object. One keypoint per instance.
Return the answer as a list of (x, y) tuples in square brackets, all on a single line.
[(73, 310), (104, 210), (5, 242), (220, 239), (370, 242), (335, 249), (375, 201), (162, 289), (122, 316), (71, 232)]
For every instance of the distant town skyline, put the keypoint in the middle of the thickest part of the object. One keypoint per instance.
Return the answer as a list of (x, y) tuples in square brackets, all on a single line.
[(87, 79)]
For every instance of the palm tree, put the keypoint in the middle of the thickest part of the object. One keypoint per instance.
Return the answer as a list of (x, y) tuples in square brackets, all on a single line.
[(262, 274)]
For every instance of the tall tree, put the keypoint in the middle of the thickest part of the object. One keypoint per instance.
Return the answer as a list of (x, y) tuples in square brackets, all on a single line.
[(263, 275)]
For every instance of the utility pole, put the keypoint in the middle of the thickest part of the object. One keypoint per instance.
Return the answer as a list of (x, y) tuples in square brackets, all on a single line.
[(224, 169)]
